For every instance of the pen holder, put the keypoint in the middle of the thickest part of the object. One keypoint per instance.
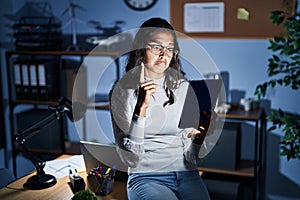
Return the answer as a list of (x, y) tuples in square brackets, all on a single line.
[(101, 184)]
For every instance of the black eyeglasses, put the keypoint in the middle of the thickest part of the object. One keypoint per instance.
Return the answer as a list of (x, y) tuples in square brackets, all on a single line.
[(157, 49)]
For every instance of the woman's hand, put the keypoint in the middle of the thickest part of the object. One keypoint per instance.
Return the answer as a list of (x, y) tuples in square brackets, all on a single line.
[(208, 125), (197, 136), (204, 128), (146, 90)]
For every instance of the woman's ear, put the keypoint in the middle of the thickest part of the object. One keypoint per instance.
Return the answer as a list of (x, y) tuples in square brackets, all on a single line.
[(140, 60)]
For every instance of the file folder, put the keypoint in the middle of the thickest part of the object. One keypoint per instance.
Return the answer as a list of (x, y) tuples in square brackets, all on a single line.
[(37, 79), (42, 82), (25, 80), (18, 79), (49, 80), (33, 81)]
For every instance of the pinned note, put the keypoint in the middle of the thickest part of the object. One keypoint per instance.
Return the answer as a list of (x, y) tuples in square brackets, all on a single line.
[(243, 14)]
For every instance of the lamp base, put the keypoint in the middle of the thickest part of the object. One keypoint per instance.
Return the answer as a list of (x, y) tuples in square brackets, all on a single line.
[(40, 181)]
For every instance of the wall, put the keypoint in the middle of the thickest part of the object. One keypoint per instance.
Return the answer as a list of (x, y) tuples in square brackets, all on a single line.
[(246, 60)]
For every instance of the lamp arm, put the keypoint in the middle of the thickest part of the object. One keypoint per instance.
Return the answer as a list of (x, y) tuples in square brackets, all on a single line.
[(22, 137), (42, 180), (38, 163)]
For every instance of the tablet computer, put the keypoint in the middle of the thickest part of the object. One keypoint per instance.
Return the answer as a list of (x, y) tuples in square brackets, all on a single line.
[(202, 95)]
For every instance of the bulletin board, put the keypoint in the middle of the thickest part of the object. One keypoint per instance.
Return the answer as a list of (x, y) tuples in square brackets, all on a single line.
[(242, 18)]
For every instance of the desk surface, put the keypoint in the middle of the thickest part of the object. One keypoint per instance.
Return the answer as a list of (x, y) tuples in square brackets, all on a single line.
[(252, 115), (61, 190)]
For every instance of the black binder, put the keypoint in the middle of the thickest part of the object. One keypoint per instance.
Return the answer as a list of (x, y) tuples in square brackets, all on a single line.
[(42, 81), (25, 80), (18, 79), (48, 79), (33, 81)]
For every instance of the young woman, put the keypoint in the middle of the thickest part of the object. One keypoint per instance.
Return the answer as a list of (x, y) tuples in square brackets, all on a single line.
[(145, 106)]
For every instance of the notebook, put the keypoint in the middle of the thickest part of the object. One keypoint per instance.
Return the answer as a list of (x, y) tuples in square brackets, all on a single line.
[(201, 96), (104, 154)]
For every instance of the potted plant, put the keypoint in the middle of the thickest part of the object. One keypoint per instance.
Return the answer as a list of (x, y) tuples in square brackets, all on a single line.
[(284, 71)]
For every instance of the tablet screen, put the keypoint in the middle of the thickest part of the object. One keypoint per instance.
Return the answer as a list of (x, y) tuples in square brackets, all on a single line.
[(201, 96)]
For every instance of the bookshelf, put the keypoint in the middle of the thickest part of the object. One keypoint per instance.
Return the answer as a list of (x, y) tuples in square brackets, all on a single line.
[(56, 55)]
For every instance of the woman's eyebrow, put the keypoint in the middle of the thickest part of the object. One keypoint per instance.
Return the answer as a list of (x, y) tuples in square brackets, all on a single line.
[(158, 42), (153, 40)]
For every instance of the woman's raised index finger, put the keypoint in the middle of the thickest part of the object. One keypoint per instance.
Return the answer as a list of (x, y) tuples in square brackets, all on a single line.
[(142, 75)]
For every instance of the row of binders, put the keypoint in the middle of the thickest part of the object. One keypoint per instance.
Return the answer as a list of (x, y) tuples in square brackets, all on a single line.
[(36, 80)]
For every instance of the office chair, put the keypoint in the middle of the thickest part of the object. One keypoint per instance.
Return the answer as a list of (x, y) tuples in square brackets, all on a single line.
[(6, 177)]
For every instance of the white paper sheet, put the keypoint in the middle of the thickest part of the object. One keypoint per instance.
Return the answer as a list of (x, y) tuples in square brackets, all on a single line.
[(204, 17), (61, 167)]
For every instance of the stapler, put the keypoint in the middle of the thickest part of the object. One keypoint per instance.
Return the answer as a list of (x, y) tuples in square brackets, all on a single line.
[(77, 182)]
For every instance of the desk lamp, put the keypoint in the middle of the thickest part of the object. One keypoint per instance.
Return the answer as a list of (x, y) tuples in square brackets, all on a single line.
[(42, 180)]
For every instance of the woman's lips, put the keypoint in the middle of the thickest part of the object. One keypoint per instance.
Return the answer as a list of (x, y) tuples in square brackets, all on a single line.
[(161, 64)]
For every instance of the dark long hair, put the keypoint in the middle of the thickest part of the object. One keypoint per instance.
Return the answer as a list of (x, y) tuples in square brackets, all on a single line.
[(174, 74)]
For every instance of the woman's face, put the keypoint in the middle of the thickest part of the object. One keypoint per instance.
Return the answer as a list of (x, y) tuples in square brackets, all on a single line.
[(159, 53)]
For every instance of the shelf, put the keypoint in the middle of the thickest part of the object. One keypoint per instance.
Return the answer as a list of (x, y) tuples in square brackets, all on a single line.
[(48, 151), (239, 114), (35, 102), (66, 53), (245, 169), (43, 151)]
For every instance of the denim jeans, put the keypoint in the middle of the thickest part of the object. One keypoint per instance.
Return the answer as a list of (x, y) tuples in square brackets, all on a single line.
[(185, 185)]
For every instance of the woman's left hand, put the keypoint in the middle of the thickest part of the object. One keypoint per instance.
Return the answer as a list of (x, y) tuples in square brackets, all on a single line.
[(209, 124), (204, 128), (197, 136)]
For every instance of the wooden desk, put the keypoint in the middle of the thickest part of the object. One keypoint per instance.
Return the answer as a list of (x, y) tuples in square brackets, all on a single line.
[(61, 190)]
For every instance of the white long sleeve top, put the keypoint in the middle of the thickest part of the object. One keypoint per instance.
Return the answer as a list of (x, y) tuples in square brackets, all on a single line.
[(153, 143)]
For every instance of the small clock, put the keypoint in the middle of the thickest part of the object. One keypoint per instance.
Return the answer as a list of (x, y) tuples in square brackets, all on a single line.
[(140, 4)]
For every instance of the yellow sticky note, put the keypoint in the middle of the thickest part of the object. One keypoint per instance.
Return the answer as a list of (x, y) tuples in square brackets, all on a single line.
[(243, 14)]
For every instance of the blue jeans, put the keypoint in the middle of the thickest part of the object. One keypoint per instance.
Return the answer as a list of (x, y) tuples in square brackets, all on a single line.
[(185, 185)]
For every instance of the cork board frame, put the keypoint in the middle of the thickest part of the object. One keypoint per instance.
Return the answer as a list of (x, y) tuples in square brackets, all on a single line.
[(258, 25)]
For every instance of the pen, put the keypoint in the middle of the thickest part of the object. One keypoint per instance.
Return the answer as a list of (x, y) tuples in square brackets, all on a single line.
[(108, 170), (100, 169), (96, 172)]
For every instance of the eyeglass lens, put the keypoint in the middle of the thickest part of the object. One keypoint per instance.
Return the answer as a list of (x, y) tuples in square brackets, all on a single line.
[(158, 49)]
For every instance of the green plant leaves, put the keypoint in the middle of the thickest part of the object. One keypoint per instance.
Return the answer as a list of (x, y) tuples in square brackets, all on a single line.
[(290, 144), (277, 17), (284, 68)]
